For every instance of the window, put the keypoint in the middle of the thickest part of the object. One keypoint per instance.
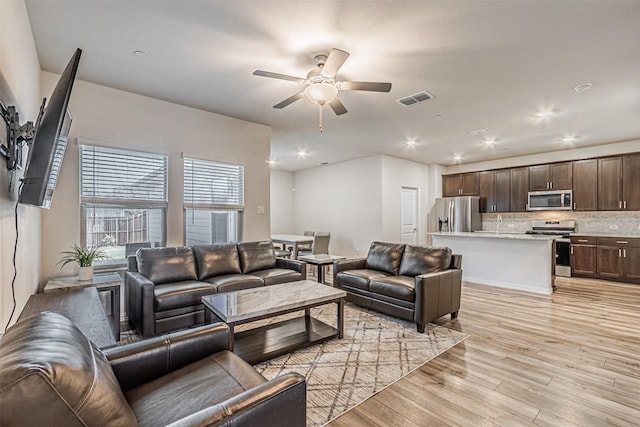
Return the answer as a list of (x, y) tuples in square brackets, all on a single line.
[(123, 199), (213, 202)]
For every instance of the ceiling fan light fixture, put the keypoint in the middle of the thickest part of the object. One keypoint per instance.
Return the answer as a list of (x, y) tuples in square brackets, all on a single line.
[(321, 92)]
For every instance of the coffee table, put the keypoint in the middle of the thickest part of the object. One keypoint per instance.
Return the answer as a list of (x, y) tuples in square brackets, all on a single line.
[(275, 339)]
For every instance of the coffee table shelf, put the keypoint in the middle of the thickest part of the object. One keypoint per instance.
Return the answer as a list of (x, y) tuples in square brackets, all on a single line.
[(269, 341)]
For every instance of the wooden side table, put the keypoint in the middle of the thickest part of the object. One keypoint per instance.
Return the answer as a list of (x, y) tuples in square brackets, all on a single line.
[(108, 282), (321, 260), (80, 305)]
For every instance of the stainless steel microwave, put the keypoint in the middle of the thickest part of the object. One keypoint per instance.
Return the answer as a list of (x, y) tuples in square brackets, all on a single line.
[(553, 200)]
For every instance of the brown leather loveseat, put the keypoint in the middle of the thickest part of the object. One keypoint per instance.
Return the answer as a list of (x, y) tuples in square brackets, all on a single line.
[(164, 286), (415, 283), (52, 375)]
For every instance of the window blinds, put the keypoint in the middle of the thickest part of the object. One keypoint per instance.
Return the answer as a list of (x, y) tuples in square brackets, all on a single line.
[(213, 185), (114, 176)]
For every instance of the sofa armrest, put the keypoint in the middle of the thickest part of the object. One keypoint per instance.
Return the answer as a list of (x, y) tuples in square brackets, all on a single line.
[(139, 304), (292, 264), (349, 264), (140, 362), (278, 402), (437, 294), (456, 261)]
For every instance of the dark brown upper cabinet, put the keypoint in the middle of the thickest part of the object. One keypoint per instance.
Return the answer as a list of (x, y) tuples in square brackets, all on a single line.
[(631, 182), (610, 184), (519, 189), (554, 176), (495, 190), (462, 184), (585, 185)]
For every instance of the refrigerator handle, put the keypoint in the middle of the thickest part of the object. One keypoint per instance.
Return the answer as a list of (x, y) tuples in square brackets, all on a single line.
[(451, 219)]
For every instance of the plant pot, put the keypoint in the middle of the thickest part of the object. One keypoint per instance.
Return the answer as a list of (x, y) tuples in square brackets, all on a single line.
[(85, 273)]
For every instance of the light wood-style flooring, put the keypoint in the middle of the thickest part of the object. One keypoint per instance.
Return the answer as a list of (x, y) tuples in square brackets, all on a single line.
[(567, 359)]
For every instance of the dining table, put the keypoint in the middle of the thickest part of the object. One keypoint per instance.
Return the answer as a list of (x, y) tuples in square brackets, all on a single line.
[(292, 239)]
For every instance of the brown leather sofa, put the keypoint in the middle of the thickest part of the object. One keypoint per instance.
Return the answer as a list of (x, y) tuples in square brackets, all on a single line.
[(164, 286), (52, 375), (414, 283)]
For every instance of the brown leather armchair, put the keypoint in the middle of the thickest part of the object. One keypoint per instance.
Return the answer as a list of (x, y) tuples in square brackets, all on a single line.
[(51, 374)]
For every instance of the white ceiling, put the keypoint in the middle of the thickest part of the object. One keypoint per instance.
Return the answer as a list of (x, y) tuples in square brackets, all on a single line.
[(490, 64)]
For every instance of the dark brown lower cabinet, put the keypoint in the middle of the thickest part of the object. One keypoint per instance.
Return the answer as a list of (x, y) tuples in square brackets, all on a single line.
[(631, 264), (583, 260), (609, 262)]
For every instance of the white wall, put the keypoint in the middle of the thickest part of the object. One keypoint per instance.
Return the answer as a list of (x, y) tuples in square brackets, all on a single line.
[(121, 119), (19, 86), (344, 199), (398, 173), (282, 193)]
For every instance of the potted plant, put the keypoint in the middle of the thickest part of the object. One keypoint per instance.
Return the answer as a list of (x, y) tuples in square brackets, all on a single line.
[(85, 258)]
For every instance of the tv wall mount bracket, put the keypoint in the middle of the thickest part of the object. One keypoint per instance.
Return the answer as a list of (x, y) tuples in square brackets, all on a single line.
[(17, 135)]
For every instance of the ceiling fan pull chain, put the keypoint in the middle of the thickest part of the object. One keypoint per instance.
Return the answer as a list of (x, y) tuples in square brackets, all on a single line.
[(320, 118)]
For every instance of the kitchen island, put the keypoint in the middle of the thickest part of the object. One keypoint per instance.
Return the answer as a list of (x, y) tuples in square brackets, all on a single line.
[(508, 260)]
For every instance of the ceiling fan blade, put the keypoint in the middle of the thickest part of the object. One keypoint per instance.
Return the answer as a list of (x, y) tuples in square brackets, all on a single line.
[(289, 100), (369, 86), (334, 61), (279, 76), (337, 106)]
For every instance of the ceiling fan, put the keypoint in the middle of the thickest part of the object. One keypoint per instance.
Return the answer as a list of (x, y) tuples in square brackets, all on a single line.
[(322, 86)]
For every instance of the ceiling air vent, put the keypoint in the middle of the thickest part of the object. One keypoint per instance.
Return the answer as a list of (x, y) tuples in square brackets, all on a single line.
[(416, 98)]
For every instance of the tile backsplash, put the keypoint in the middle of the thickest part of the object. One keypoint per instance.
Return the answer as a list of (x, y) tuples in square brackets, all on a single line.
[(614, 223)]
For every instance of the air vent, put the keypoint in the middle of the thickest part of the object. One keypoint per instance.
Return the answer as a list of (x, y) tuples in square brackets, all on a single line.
[(416, 98)]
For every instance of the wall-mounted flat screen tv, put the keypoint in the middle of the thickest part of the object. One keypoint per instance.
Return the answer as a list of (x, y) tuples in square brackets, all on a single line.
[(50, 142)]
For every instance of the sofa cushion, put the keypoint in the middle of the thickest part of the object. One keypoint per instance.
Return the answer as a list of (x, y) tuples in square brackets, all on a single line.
[(188, 390), (359, 278), (256, 256), (385, 257), (235, 282), (49, 371), (181, 294), (419, 260), (400, 287), (274, 276), (216, 260), (165, 265)]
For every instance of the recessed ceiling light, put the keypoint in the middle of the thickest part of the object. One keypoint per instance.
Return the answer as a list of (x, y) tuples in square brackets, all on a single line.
[(544, 114), (568, 139), (490, 141), (457, 157), (272, 162), (140, 53), (302, 153), (582, 88), (411, 142)]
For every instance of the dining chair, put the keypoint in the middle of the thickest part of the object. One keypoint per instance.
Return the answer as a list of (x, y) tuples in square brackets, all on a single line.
[(301, 246), (320, 245)]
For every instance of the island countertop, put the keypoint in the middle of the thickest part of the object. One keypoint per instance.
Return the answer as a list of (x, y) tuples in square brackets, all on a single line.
[(494, 235), (510, 260)]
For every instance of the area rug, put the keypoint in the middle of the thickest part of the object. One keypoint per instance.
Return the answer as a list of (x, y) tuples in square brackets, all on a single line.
[(376, 351)]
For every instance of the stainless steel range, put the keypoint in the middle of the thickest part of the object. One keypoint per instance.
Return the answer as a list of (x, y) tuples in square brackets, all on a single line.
[(563, 230)]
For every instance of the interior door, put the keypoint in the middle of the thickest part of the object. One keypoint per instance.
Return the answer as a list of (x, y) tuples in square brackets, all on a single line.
[(409, 215)]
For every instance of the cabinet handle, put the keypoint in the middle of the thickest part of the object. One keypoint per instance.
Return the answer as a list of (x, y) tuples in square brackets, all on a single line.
[(624, 204), (619, 253), (624, 253), (583, 240), (571, 250), (623, 242), (574, 206), (551, 185), (620, 205), (494, 208)]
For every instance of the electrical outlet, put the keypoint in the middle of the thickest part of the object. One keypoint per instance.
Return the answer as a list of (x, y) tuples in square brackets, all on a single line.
[(511, 225), (613, 227)]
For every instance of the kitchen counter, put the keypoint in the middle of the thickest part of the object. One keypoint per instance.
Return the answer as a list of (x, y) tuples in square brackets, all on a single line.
[(510, 260), (494, 235)]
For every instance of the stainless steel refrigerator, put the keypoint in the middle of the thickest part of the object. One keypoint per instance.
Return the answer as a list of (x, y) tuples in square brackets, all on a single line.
[(456, 214)]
